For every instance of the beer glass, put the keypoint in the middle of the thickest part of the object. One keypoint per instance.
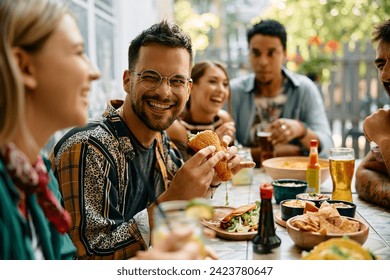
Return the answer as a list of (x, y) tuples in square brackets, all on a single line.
[(342, 167), (267, 148)]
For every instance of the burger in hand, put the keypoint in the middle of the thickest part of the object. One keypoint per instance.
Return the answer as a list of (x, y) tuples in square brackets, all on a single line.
[(207, 138)]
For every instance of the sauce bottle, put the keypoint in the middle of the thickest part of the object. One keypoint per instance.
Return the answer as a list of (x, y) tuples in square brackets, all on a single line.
[(266, 244), (313, 169)]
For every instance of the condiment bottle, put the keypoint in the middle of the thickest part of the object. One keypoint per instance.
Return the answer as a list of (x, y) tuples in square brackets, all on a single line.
[(266, 244), (313, 169)]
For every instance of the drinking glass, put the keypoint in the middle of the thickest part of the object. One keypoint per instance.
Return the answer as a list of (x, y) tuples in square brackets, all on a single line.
[(263, 136), (342, 167), (171, 217)]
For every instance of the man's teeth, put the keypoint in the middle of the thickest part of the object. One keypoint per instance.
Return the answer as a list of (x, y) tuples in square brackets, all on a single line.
[(159, 105)]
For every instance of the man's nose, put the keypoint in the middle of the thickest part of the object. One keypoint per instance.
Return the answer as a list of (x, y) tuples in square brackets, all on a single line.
[(165, 87), (385, 73)]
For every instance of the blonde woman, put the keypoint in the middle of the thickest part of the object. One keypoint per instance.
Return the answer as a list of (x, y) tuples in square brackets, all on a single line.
[(45, 79)]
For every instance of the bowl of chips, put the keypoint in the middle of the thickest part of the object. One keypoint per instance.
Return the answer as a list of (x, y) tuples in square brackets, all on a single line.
[(312, 228), (293, 168)]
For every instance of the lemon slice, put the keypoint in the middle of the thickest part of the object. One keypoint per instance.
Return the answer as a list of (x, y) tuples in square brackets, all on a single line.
[(199, 209)]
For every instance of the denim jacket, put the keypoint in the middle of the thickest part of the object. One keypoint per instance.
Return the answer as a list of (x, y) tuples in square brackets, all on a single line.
[(304, 103)]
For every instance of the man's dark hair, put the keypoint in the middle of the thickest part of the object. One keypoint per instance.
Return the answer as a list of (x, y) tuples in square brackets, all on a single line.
[(164, 33), (381, 32), (269, 27)]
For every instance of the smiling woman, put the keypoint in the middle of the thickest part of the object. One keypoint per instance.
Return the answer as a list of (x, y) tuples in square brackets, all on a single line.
[(210, 92), (45, 79)]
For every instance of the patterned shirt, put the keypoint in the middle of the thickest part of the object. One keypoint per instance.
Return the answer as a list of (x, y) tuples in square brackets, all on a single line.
[(107, 180)]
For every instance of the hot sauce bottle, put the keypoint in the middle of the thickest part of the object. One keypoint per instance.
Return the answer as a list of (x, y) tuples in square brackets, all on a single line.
[(313, 169), (266, 244)]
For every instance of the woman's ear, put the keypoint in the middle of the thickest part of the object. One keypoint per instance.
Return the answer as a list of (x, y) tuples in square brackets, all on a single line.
[(26, 68)]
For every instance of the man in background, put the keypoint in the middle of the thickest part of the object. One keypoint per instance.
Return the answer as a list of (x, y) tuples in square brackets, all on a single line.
[(285, 103)]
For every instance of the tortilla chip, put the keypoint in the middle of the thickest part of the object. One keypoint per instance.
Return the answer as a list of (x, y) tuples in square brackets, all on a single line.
[(310, 208), (328, 227), (349, 226)]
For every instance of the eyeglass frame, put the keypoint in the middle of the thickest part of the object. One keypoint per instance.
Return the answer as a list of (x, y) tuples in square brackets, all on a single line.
[(139, 74)]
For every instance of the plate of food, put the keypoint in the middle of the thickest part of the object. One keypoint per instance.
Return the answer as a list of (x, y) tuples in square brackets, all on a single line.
[(234, 223)]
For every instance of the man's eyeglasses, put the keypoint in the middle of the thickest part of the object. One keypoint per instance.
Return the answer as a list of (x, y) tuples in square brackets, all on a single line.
[(151, 79)]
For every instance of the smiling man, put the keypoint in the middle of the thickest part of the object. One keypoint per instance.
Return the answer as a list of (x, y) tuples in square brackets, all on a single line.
[(272, 97), (111, 171), (373, 174)]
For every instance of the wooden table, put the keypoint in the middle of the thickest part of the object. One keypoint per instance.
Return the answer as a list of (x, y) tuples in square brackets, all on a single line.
[(376, 217)]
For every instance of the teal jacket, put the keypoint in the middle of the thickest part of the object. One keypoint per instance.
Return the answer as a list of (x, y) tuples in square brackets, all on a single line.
[(15, 243)]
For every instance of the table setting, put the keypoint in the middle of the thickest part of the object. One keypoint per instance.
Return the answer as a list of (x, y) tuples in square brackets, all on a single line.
[(373, 226)]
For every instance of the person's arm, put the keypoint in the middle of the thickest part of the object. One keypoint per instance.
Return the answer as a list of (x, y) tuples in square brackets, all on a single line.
[(376, 128), (88, 183), (373, 182), (313, 116)]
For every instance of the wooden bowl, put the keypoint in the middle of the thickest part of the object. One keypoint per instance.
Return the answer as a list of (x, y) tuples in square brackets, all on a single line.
[(293, 168), (307, 240)]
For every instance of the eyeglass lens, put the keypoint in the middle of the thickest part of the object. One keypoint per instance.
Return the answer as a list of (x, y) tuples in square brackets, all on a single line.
[(152, 79)]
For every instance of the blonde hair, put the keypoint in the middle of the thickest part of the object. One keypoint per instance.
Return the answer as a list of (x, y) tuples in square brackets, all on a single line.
[(26, 24)]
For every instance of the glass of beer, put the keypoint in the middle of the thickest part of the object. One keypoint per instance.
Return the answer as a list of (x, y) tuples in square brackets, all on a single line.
[(342, 167), (264, 139)]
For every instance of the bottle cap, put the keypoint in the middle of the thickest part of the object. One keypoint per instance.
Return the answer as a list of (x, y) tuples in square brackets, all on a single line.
[(266, 191), (313, 143)]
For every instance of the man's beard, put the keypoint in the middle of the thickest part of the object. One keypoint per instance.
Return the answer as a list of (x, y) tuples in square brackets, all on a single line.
[(152, 123)]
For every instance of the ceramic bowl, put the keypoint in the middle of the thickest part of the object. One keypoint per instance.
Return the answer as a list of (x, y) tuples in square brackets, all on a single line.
[(344, 208), (292, 207), (288, 188), (307, 240), (317, 198), (293, 167)]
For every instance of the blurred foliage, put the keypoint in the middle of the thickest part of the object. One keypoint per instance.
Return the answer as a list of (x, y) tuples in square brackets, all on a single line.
[(330, 20), (337, 20), (316, 29), (197, 25)]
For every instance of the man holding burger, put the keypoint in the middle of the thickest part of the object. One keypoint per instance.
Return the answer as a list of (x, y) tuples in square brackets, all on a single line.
[(112, 170)]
